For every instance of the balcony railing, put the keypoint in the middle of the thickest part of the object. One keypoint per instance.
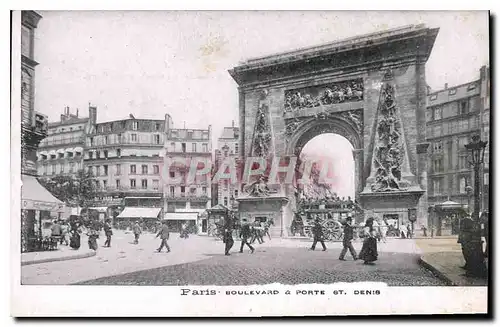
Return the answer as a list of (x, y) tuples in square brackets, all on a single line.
[(70, 140), (129, 189), (187, 197)]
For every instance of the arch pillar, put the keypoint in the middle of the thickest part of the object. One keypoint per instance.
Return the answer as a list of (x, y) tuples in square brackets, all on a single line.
[(358, 155)]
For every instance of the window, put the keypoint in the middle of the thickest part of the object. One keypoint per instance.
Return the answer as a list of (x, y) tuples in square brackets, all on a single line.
[(144, 183), (235, 193), (135, 125), (62, 168), (225, 200), (463, 162), (71, 167), (462, 141), (53, 171), (204, 147), (119, 138), (98, 154), (471, 87), (438, 113), (118, 170), (486, 159), (473, 122), (104, 184), (105, 170), (156, 169), (172, 174), (236, 147), (155, 184), (193, 149), (157, 126), (172, 146), (91, 155), (105, 154), (26, 41), (486, 178), (117, 183), (204, 190), (157, 139), (172, 191), (190, 134), (118, 153), (437, 165), (437, 185), (144, 169), (183, 147), (436, 131), (463, 107), (462, 183), (183, 190), (134, 137), (438, 147), (106, 139), (132, 169), (98, 170), (132, 183)]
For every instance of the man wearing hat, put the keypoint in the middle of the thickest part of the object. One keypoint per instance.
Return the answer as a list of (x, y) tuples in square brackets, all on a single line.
[(347, 241), (164, 234), (137, 232), (317, 231)]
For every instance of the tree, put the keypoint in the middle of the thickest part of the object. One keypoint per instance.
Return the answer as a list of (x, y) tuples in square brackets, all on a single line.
[(77, 190)]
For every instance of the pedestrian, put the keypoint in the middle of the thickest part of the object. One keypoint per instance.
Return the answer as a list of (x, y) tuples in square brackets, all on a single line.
[(64, 233), (184, 231), (402, 231), (245, 234), (424, 230), (228, 237), (108, 231), (267, 226), (409, 232), (137, 230), (93, 235), (369, 252), (317, 231), (75, 236), (256, 233), (164, 234), (55, 229), (347, 240), (383, 231)]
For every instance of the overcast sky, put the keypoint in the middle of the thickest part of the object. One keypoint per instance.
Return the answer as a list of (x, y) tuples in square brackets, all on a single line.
[(150, 63)]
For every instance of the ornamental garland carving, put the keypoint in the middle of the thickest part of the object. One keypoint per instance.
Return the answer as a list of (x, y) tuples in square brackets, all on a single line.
[(347, 91), (388, 155)]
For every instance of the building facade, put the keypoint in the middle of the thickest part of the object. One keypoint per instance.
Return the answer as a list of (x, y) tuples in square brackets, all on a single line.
[(126, 158), (227, 146), (61, 152), (36, 201), (185, 199), (453, 116)]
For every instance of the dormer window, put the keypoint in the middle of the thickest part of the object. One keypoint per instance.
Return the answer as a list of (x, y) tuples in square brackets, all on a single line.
[(135, 125), (471, 87), (434, 97), (452, 92)]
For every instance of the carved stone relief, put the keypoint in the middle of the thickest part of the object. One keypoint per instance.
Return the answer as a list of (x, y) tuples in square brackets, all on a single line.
[(338, 92), (389, 151), (262, 133)]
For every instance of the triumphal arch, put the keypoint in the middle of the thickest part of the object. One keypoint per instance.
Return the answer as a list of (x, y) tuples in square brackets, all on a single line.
[(370, 89)]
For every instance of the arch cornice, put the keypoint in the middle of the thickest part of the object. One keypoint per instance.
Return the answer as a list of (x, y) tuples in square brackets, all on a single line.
[(309, 128)]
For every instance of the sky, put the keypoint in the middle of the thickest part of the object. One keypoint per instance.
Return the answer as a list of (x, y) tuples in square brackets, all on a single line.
[(149, 63)]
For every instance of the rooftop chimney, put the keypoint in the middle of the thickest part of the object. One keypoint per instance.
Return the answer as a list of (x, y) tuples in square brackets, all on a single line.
[(92, 114), (445, 86), (77, 112), (232, 123), (131, 116)]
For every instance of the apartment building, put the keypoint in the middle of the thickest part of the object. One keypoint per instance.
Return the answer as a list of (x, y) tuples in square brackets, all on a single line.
[(453, 116), (186, 200), (61, 152), (227, 147)]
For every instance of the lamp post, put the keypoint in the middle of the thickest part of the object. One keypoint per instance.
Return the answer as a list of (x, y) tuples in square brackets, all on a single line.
[(475, 263)]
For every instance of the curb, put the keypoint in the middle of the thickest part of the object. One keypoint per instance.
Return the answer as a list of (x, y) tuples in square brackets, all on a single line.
[(436, 272), (71, 257)]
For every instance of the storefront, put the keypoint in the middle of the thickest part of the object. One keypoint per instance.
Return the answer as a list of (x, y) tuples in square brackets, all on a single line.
[(175, 220), (147, 216), (38, 206)]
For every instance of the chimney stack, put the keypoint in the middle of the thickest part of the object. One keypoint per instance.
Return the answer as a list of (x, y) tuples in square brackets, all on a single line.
[(445, 86), (77, 112), (92, 114), (232, 123)]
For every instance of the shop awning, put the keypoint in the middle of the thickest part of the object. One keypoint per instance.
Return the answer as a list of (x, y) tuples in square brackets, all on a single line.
[(139, 212), (100, 209), (36, 197), (181, 216), (78, 149)]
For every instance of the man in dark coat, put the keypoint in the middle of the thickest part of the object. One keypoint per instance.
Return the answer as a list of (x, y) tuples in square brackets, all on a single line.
[(108, 231), (347, 241), (164, 234), (245, 234), (228, 236), (317, 231)]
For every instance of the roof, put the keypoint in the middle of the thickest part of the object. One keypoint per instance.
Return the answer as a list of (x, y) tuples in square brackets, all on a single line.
[(69, 121), (454, 93), (36, 197), (139, 212), (230, 133)]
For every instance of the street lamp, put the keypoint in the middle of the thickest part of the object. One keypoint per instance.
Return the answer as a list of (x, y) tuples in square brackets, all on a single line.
[(475, 261)]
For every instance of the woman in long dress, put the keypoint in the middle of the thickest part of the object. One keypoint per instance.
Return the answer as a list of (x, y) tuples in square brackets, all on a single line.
[(369, 252), (75, 236)]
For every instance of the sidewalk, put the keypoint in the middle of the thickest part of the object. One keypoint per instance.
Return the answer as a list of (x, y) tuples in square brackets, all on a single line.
[(61, 254), (443, 256)]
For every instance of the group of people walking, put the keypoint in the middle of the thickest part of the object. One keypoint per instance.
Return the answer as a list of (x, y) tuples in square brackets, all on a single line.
[(368, 252), (248, 233)]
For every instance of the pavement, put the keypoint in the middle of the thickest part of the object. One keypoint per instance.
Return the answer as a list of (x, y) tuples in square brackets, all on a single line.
[(444, 258), (62, 253), (200, 261)]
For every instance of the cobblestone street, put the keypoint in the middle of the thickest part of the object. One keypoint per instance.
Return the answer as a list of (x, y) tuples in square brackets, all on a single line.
[(200, 260)]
